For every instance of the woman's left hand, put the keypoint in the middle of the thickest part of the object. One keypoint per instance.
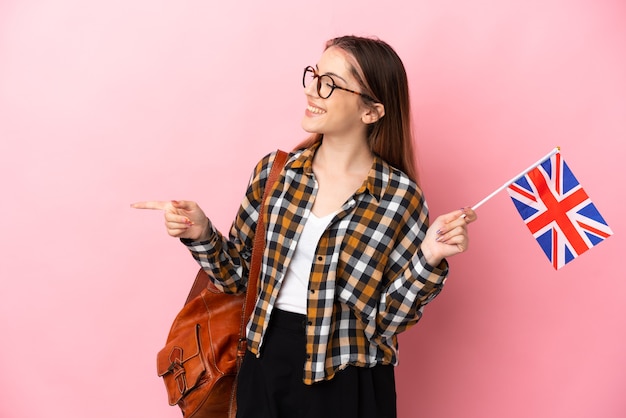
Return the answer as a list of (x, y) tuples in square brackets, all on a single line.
[(447, 235)]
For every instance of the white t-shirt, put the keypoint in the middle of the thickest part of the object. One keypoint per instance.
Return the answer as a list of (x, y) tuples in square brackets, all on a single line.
[(293, 292)]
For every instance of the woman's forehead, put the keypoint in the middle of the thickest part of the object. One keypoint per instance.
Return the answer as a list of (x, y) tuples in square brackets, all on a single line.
[(337, 61)]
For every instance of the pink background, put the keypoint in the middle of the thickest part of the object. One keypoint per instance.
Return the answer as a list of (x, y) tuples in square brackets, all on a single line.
[(103, 103)]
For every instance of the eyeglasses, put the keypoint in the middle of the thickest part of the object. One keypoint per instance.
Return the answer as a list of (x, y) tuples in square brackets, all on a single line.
[(326, 85)]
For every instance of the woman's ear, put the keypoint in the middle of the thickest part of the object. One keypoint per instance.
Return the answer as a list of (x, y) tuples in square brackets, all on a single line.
[(373, 113)]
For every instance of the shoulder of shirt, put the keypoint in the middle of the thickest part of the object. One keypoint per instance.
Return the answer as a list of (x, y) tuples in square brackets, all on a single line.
[(264, 165)]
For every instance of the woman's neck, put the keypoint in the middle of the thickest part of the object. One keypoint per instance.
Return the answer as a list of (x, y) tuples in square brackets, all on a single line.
[(350, 157), (340, 168)]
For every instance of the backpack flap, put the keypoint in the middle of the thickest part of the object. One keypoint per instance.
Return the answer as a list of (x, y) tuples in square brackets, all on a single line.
[(181, 365)]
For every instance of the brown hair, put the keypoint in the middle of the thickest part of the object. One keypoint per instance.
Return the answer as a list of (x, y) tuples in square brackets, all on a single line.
[(384, 78)]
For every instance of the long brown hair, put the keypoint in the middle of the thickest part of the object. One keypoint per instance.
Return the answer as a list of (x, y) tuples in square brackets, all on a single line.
[(383, 77)]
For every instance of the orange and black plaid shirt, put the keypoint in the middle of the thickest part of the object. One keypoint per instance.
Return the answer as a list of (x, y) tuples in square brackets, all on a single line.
[(369, 279)]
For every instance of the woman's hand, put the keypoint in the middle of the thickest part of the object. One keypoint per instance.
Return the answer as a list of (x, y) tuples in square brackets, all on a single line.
[(182, 219), (447, 235)]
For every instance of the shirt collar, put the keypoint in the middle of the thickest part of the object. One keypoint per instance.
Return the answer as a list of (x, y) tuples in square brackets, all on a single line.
[(377, 179), (304, 161), (375, 184)]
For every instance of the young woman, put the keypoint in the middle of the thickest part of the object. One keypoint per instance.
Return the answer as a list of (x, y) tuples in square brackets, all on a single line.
[(350, 259)]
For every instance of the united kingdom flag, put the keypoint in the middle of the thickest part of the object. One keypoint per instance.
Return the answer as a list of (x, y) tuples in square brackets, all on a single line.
[(557, 211)]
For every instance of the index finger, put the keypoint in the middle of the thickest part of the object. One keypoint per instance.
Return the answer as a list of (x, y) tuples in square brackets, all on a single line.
[(150, 204)]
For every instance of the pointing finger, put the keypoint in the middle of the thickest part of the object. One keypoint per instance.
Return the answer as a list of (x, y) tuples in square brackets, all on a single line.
[(152, 204)]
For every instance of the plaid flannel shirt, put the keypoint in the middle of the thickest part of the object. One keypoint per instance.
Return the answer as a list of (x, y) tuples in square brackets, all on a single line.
[(369, 279)]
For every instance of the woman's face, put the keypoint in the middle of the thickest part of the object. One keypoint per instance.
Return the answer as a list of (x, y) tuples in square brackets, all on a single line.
[(341, 114)]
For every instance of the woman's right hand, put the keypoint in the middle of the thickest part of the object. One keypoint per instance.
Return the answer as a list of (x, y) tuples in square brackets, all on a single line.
[(183, 219)]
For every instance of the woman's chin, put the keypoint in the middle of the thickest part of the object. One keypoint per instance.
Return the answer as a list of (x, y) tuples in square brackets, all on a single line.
[(308, 126)]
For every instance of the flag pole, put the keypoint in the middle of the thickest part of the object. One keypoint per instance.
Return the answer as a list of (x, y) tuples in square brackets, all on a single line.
[(508, 183)]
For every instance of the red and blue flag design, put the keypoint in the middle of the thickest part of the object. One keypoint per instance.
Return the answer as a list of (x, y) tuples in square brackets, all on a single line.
[(557, 211)]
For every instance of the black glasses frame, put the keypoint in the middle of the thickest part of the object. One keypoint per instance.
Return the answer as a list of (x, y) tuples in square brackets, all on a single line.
[(332, 85)]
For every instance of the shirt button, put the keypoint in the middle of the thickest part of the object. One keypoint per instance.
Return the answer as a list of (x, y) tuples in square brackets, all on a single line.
[(312, 291), (320, 258)]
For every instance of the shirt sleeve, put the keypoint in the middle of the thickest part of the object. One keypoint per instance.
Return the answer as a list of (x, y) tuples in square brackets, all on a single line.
[(227, 259), (411, 282)]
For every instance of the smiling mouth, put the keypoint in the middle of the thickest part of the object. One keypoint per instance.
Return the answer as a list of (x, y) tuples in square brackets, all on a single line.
[(315, 110)]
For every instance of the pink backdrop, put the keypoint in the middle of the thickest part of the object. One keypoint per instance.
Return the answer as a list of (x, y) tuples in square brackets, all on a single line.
[(105, 103)]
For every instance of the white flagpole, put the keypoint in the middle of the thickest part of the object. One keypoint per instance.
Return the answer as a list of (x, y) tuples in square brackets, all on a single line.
[(508, 183)]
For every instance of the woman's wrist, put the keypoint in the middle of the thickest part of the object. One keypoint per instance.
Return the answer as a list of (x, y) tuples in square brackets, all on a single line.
[(432, 258)]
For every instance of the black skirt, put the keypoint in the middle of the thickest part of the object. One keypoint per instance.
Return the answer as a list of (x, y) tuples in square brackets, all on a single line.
[(271, 386)]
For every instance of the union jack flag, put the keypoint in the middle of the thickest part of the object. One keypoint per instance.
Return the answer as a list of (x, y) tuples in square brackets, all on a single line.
[(557, 211)]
